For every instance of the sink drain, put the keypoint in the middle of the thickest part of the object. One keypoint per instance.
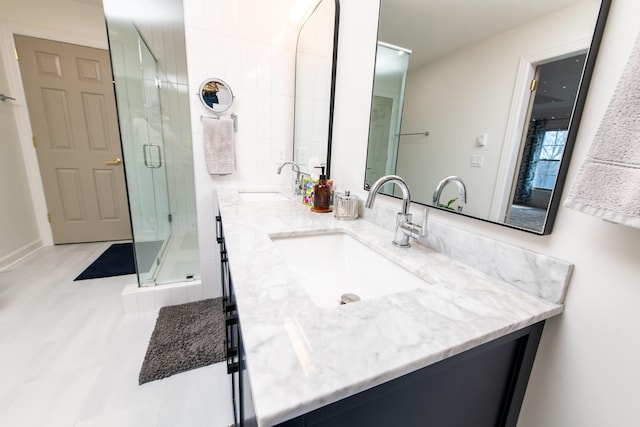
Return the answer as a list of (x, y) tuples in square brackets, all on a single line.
[(347, 298)]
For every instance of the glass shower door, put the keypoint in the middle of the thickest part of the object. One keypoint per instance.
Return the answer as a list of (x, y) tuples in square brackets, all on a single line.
[(152, 221), (156, 143)]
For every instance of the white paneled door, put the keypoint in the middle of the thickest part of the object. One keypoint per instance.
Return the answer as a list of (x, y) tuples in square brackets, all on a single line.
[(70, 96)]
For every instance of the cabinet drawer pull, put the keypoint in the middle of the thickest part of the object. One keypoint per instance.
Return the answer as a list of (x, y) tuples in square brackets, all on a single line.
[(232, 352), (231, 319), (232, 368), (229, 306)]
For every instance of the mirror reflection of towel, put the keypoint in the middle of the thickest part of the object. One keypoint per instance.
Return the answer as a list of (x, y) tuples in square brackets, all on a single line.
[(608, 184), (219, 146)]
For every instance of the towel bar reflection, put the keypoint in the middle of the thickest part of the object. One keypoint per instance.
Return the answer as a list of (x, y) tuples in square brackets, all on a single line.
[(425, 133), (234, 117)]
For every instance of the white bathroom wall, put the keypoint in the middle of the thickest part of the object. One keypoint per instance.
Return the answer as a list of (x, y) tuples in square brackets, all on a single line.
[(18, 226), (250, 45), (586, 373), (83, 18)]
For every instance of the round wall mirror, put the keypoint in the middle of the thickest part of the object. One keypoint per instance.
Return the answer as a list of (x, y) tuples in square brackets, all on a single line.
[(216, 95)]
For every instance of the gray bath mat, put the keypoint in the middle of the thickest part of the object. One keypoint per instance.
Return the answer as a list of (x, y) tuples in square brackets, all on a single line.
[(186, 336)]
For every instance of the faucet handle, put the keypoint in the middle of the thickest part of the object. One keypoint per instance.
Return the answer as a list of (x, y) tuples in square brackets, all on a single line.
[(423, 227), (413, 230)]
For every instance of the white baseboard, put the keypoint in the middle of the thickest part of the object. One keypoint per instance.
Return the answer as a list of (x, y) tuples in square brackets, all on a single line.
[(142, 299), (20, 253)]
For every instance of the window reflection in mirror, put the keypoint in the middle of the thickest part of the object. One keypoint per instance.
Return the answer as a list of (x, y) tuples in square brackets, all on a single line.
[(468, 104)]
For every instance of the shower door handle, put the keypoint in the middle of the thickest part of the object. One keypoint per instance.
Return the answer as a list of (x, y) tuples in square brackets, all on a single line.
[(148, 158)]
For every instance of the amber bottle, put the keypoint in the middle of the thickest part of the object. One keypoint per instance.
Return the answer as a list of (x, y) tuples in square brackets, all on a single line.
[(321, 194)]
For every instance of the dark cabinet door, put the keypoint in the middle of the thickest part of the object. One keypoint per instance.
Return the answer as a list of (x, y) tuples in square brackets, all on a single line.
[(244, 414), (482, 387), (247, 413)]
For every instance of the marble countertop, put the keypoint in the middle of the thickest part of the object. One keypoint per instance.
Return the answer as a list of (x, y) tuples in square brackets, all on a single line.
[(301, 357)]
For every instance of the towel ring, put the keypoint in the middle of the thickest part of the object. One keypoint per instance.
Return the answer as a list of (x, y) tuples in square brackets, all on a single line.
[(216, 95)]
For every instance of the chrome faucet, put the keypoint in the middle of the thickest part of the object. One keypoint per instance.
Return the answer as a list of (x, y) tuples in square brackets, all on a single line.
[(462, 191), (297, 186), (404, 227)]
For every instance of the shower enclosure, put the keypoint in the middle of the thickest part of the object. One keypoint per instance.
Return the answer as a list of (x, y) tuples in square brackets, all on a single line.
[(156, 142), (392, 64)]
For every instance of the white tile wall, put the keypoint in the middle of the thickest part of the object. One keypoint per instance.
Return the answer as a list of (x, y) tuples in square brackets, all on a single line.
[(167, 43), (162, 297), (250, 44), (179, 295), (146, 300)]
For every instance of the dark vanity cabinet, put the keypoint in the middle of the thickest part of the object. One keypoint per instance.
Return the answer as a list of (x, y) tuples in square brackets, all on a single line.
[(483, 386), (235, 356)]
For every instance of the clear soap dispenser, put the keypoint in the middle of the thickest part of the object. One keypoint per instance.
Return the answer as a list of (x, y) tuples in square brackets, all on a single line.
[(321, 194)]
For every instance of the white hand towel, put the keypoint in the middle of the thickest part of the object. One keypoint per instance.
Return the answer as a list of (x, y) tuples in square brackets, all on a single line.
[(219, 146), (608, 183)]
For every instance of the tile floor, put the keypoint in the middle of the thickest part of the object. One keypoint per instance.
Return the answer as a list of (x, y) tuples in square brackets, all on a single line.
[(70, 357)]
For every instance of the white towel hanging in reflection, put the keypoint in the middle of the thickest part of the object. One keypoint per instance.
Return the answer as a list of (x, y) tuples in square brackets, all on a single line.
[(608, 183), (219, 145)]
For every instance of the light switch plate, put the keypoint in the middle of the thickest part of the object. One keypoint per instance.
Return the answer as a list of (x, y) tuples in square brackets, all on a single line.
[(477, 160)]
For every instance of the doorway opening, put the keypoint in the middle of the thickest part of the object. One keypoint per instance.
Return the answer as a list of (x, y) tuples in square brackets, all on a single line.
[(74, 123), (553, 94)]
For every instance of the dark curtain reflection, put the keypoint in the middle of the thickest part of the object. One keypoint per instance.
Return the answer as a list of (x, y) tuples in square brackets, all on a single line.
[(530, 156)]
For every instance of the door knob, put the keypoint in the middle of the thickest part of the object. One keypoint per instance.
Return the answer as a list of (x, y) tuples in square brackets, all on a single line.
[(117, 161)]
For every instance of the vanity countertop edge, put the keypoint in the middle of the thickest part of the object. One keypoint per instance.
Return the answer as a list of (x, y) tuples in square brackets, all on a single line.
[(301, 357)]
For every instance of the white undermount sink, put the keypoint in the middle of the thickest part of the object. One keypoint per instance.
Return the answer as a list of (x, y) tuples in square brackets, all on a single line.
[(331, 265), (267, 196)]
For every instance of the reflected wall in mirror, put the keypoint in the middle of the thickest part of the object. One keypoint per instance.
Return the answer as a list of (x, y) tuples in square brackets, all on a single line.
[(492, 93), (316, 52)]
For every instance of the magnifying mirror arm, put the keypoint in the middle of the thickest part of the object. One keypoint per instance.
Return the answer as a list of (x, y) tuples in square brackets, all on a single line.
[(404, 227)]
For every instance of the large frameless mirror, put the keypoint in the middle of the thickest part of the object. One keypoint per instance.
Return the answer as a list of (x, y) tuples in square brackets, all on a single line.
[(486, 94), (316, 52)]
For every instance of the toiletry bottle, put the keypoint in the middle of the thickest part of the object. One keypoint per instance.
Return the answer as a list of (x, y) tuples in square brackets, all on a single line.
[(321, 194)]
